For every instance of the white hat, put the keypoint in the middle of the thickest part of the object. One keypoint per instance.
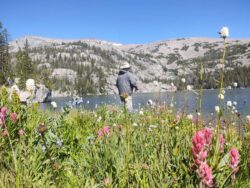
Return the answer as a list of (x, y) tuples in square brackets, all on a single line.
[(125, 66)]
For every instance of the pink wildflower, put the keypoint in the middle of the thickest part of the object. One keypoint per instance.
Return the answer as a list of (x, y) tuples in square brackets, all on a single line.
[(20, 132), (205, 173), (13, 117), (3, 113), (235, 159), (222, 142), (208, 135), (103, 131)]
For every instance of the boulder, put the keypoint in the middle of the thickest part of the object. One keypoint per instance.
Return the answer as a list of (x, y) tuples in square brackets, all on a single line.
[(43, 94), (24, 95)]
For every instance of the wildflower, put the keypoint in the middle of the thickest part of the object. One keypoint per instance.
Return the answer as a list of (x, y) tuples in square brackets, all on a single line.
[(171, 105), (172, 84), (183, 80), (198, 113), (189, 87), (177, 128), (3, 114), (21, 132), (103, 131), (99, 119), (134, 124), (152, 126), (248, 118), (223, 92), (15, 89), (190, 116), (222, 142), (217, 109), (235, 103), (87, 102), (59, 143), (235, 84), (235, 159), (224, 32), (141, 112), (229, 104), (155, 83), (5, 132), (30, 85), (221, 96), (53, 104), (13, 117), (43, 148), (205, 173)]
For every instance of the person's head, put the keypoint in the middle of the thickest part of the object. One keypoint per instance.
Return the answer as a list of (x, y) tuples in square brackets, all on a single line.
[(125, 66)]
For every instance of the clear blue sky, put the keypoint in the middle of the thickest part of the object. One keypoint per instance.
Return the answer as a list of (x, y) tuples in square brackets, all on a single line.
[(125, 21)]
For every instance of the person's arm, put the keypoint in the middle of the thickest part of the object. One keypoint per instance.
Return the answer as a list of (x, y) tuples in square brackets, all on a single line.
[(133, 81)]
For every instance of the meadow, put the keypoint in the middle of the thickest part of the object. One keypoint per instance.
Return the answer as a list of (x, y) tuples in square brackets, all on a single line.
[(110, 147)]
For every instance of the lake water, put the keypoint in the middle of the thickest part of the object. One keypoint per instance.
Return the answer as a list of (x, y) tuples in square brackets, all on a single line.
[(210, 100)]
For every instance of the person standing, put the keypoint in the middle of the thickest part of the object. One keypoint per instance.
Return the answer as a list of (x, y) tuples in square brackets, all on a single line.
[(126, 84)]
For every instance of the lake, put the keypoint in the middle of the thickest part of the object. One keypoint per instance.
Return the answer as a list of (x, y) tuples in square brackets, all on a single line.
[(210, 100)]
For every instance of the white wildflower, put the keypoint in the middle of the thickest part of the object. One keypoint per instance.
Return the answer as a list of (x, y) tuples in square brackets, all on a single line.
[(189, 87), (221, 96), (172, 84), (135, 125), (176, 127), (30, 85), (235, 103), (217, 109), (198, 113), (53, 104), (87, 102), (43, 148), (15, 89), (152, 126), (235, 84), (183, 80), (59, 143), (99, 119), (229, 104), (155, 83), (141, 112), (223, 92), (190, 116), (224, 32), (171, 105), (248, 118)]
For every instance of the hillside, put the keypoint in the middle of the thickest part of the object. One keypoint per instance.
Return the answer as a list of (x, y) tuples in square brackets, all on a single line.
[(91, 66)]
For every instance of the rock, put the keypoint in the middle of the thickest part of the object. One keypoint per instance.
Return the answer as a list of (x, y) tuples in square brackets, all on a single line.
[(43, 94), (24, 95), (68, 74)]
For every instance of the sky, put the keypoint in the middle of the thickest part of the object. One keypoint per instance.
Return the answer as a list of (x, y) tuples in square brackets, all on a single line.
[(125, 21)]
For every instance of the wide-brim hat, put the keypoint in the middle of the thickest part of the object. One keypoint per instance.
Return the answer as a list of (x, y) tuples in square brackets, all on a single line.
[(125, 66)]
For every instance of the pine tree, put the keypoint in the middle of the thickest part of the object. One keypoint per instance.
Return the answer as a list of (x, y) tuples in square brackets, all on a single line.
[(24, 67), (4, 56)]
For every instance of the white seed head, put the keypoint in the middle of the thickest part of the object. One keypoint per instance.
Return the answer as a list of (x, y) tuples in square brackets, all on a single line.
[(190, 116), (189, 87), (221, 96), (217, 109), (229, 104), (224, 32), (53, 104)]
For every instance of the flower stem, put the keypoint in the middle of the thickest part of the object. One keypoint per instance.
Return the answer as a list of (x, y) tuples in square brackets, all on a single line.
[(201, 92), (216, 153)]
